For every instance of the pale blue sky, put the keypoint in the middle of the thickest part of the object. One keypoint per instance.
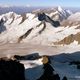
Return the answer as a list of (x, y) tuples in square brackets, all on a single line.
[(64, 3)]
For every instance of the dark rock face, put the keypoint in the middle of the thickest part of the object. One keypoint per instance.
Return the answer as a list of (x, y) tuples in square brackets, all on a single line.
[(48, 73), (44, 17), (11, 70), (41, 17), (2, 27), (1, 21)]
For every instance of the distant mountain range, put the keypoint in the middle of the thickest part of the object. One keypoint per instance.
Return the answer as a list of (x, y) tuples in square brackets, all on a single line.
[(18, 9), (24, 9)]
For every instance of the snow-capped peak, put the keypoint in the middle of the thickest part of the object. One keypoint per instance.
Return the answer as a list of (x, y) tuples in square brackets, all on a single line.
[(64, 13), (60, 8)]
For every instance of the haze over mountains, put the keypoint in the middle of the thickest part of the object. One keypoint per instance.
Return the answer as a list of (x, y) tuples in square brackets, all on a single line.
[(17, 9), (25, 9), (23, 28)]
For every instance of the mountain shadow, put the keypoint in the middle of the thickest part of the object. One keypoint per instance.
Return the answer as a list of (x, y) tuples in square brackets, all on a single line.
[(66, 57)]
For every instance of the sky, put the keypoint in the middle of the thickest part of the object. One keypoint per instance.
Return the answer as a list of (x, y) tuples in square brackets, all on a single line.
[(38, 3)]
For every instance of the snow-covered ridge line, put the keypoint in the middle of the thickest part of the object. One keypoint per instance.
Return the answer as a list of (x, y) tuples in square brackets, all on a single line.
[(28, 28)]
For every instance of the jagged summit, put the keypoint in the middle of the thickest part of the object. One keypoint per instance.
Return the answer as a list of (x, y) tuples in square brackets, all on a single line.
[(60, 8), (63, 13)]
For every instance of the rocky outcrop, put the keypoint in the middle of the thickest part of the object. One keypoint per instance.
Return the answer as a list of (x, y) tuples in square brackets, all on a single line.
[(44, 17), (33, 56), (11, 70), (48, 73), (2, 27), (23, 18), (24, 35), (68, 40)]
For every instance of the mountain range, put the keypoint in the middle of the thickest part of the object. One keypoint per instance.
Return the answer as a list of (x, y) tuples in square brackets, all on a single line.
[(55, 26)]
